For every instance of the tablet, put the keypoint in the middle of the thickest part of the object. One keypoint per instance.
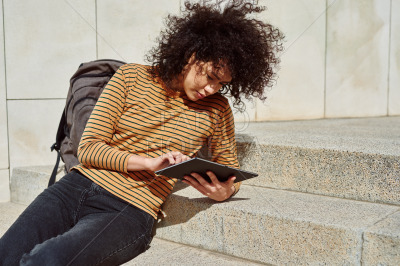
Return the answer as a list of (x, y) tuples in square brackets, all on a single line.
[(201, 166)]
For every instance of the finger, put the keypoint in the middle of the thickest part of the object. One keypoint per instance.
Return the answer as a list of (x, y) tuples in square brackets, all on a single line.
[(191, 179), (199, 178), (213, 178), (176, 154), (230, 181), (170, 158), (185, 158), (194, 183), (178, 159)]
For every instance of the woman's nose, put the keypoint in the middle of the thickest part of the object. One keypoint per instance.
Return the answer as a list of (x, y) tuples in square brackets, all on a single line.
[(211, 88)]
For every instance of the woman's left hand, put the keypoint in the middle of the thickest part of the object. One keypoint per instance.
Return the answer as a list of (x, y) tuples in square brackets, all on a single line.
[(215, 190)]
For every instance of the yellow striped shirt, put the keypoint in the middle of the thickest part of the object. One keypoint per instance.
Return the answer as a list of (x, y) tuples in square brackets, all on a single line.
[(135, 115)]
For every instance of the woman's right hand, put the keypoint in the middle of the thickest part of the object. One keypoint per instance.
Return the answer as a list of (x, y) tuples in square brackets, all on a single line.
[(139, 163), (165, 160)]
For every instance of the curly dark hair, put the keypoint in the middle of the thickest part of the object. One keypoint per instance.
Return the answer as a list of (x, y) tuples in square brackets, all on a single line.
[(249, 46)]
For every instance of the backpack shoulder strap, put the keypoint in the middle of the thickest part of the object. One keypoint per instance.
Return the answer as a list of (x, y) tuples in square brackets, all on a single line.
[(56, 146)]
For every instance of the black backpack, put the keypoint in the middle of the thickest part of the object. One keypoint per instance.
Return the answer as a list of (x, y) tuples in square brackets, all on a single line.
[(86, 85)]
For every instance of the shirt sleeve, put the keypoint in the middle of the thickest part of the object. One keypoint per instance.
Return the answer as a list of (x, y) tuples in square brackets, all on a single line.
[(94, 149), (223, 143)]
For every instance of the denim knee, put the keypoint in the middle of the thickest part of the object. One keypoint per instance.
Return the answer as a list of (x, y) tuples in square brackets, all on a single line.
[(40, 256)]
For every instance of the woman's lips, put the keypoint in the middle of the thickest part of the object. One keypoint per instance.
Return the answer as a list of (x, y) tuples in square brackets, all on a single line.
[(200, 96)]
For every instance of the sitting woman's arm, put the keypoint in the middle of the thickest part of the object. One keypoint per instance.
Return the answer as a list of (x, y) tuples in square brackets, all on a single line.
[(94, 149)]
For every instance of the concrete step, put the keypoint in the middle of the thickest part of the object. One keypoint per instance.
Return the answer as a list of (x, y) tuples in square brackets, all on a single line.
[(161, 252), (28, 182), (267, 225), (283, 227), (347, 158)]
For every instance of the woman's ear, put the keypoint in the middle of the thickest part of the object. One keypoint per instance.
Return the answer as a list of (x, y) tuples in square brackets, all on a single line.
[(192, 59)]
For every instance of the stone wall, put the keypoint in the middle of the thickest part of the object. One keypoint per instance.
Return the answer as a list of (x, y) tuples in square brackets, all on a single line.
[(341, 59)]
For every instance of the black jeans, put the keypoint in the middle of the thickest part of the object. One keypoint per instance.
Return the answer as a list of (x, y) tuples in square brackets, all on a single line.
[(76, 222)]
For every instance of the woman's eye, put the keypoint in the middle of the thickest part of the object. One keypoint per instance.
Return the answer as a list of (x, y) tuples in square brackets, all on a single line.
[(209, 77)]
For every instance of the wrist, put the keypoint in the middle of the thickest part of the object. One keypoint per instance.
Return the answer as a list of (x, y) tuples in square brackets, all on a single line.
[(147, 164), (138, 163)]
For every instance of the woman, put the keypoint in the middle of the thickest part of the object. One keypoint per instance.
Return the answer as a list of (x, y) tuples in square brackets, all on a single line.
[(147, 118)]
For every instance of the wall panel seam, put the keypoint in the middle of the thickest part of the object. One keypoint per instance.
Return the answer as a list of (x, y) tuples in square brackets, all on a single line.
[(389, 61), (96, 27), (5, 86), (326, 54)]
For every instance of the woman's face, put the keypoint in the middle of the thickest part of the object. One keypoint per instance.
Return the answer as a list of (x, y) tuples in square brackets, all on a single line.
[(204, 79)]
